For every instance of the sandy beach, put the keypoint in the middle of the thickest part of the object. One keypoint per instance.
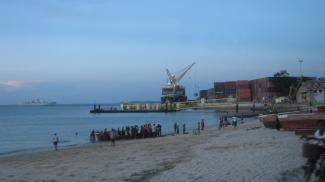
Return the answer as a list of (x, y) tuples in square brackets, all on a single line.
[(247, 153)]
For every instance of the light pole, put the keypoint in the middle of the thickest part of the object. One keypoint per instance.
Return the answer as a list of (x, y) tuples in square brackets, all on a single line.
[(300, 62)]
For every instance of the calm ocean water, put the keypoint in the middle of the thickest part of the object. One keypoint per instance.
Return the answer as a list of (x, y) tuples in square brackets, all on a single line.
[(30, 128)]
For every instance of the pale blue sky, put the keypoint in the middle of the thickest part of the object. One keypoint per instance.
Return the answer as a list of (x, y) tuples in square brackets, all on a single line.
[(81, 51)]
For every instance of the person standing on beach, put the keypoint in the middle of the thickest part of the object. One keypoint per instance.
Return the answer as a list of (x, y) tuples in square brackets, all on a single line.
[(112, 136), (154, 130), (198, 127), (92, 136), (202, 124), (226, 120), (234, 121), (175, 127), (184, 128), (55, 141), (220, 122)]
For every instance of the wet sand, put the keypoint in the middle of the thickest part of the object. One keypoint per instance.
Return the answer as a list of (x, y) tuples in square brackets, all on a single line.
[(248, 153)]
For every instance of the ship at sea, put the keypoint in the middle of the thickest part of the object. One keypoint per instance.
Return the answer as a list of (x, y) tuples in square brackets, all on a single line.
[(173, 92), (38, 102)]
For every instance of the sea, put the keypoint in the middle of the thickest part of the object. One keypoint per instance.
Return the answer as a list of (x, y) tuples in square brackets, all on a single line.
[(26, 129)]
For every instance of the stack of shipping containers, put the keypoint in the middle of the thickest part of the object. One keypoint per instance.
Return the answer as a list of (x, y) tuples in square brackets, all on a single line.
[(220, 90), (211, 93), (230, 89), (225, 89), (258, 90), (243, 92), (262, 89), (204, 94)]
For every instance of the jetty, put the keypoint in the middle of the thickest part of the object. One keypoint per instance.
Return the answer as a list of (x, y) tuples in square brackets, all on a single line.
[(231, 106), (138, 108)]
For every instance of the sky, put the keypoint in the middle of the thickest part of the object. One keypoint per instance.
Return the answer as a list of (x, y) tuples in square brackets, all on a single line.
[(105, 51)]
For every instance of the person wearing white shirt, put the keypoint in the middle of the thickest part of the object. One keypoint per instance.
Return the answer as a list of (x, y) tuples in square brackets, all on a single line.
[(234, 121), (320, 133)]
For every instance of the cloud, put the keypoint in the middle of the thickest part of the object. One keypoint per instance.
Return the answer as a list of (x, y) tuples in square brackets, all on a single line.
[(11, 85)]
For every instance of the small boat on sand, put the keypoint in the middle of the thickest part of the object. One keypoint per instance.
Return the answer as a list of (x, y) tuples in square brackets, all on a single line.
[(292, 122), (268, 120)]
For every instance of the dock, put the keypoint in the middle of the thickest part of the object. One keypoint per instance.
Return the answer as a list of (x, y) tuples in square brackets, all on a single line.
[(226, 106), (138, 108)]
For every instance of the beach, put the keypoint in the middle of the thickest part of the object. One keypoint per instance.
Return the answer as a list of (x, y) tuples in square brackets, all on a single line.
[(249, 152)]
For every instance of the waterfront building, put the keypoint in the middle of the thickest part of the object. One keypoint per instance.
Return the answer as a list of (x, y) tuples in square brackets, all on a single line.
[(312, 92)]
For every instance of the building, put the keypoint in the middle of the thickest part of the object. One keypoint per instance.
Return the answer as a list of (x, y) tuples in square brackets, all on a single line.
[(243, 91), (203, 94), (311, 92), (225, 89), (211, 93), (263, 89)]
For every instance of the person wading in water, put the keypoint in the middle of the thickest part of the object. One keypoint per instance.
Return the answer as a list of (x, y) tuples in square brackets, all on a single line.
[(55, 141)]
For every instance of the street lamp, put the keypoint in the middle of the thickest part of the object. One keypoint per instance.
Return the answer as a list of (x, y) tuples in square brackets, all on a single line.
[(300, 62)]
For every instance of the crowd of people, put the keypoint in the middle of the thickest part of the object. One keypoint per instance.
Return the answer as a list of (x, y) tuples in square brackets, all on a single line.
[(145, 131), (127, 132)]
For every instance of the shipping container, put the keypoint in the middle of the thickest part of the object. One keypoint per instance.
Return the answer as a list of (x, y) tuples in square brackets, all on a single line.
[(220, 96), (211, 94), (243, 94), (204, 94), (242, 84)]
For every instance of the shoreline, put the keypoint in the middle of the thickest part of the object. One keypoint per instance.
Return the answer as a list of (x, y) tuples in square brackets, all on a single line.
[(247, 153), (50, 146)]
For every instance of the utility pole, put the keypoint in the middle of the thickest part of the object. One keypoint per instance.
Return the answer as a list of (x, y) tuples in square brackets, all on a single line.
[(300, 62)]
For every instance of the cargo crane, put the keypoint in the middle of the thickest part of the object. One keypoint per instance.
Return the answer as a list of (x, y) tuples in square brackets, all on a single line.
[(174, 92)]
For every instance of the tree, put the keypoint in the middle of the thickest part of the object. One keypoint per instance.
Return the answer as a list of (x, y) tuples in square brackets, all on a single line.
[(282, 73), (282, 83)]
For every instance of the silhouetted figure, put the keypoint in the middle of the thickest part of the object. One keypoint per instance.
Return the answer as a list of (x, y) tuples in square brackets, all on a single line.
[(112, 137), (278, 124), (175, 127), (92, 136), (202, 124), (55, 141), (236, 107), (220, 122), (184, 128), (198, 127)]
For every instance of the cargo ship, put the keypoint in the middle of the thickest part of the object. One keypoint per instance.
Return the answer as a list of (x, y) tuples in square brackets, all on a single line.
[(38, 102)]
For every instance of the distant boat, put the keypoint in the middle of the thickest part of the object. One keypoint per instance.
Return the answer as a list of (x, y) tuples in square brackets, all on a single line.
[(38, 102)]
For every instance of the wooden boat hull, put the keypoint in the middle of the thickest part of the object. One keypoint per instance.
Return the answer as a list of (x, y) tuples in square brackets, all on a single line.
[(268, 120), (305, 131), (291, 122), (321, 109)]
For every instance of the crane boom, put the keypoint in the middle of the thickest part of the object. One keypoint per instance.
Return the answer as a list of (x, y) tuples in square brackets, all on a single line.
[(170, 77), (184, 73)]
